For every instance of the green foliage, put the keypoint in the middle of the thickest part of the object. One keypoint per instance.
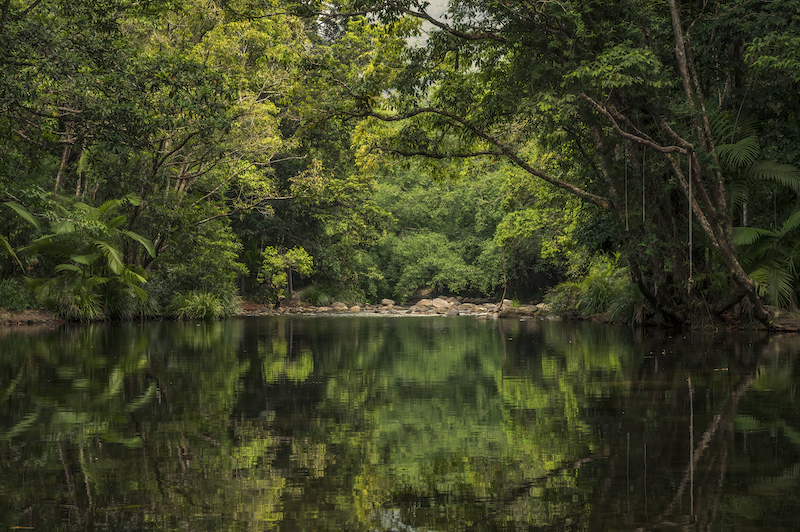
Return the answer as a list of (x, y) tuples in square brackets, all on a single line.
[(93, 280), (604, 289), (202, 305), (203, 258), (771, 258), (427, 260), (16, 296), (276, 268)]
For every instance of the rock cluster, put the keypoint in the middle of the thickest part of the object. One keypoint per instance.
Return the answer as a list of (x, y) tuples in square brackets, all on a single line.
[(437, 306)]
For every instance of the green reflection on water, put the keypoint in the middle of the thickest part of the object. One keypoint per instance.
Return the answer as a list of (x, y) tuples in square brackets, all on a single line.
[(396, 424)]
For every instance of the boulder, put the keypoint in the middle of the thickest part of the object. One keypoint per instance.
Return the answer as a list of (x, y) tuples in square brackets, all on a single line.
[(440, 303), (424, 303), (338, 305), (355, 308), (387, 302)]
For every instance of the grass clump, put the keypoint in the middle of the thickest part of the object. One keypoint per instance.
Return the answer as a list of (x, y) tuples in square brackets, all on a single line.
[(203, 305), (321, 295)]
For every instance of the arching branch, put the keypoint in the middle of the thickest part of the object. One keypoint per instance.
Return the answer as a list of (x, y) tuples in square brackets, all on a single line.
[(504, 149)]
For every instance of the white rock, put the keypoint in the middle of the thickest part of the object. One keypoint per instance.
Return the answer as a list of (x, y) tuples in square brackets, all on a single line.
[(440, 303)]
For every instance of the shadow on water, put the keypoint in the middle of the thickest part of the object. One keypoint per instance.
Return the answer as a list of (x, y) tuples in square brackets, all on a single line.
[(412, 424)]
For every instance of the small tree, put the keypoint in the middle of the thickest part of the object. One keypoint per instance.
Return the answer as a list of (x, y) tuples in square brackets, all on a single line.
[(276, 269)]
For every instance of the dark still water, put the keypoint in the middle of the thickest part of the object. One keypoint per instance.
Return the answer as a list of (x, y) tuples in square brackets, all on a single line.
[(401, 424)]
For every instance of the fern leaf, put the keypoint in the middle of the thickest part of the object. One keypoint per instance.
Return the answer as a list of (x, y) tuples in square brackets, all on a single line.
[(775, 284), (739, 193), (113, 256)]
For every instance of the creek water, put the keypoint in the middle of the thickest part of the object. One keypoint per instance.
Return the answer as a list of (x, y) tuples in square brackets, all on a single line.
[(401, 424)]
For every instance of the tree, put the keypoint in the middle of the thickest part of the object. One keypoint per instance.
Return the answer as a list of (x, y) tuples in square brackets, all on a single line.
[(276, 269), (615, 90)]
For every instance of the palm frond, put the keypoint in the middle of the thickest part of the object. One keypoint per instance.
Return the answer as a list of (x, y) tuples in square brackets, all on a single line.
[(784, 174), (739, 192), (62, 227), (746, 126), (745, 236), (740, 154), (6, 245), (113, 255), (791, 223), (67, 268), (775, 284), (142, 240), (722, 126)]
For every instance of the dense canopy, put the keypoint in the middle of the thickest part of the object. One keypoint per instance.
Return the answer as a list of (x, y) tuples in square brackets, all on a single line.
[(359, 150)]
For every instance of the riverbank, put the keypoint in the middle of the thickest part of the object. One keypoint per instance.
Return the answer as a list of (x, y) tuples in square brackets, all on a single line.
[(437, 306), (784, 321)]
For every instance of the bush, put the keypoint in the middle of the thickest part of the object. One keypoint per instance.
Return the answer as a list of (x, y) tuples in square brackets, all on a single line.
[(202, 261), (16, 296), (71, 299), (605, 289), (200, 305), (321, 295), (564, 300)]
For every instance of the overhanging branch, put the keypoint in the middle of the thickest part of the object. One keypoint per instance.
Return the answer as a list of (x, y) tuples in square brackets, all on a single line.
[(504, 149)]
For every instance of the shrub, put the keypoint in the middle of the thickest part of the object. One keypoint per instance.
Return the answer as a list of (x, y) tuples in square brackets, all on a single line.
[(563, 299), (606, 288), (16, 296), (71, 299), (199, 305), (321, 295)]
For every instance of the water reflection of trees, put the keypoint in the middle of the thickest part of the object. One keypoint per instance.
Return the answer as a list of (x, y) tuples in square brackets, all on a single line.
[(132, 428), (677, 451), (426, 424)]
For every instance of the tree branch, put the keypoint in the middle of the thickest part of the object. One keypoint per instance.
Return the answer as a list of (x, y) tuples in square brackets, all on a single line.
[(505, 150), (635, 138)]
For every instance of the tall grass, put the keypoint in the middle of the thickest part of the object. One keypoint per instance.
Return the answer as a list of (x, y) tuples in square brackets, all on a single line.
[(203, 305), (321, 295)]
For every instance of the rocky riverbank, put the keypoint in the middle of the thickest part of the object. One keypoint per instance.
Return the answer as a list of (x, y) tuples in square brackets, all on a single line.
[(437, 306)]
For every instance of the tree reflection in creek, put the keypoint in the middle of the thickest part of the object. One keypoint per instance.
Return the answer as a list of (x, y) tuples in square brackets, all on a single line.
[(397, 424)]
